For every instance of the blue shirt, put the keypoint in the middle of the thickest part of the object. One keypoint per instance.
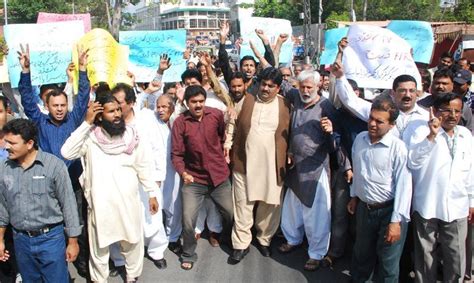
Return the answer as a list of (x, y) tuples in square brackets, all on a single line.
[(51, 137)]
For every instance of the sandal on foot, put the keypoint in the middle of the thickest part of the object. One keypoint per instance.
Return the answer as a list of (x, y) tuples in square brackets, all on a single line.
[(286, 248), (312, 264), (327, 261), (187, 265)]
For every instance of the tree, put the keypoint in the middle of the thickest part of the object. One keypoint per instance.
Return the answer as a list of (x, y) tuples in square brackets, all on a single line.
[(282, 9), (103, 14)]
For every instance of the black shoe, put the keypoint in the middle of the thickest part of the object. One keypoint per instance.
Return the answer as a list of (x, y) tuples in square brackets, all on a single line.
[(264, 250), (238, 255), (160, 263), (175, 247), (117, 270)]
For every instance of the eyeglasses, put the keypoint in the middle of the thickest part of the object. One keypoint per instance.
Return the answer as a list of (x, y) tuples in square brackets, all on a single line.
[(404, 90), (448, 111)]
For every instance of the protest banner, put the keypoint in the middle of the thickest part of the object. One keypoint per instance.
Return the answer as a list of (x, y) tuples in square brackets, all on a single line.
[(52, 18), (146, 48), (4, 78), (331, 39), (419, 35), (272, 29), (50, 50), (107, 59), (376, 56)]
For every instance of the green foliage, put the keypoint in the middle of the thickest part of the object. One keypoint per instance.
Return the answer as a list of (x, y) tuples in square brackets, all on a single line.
[(377, 10), (21, 11), (283, 9), (334, 16)]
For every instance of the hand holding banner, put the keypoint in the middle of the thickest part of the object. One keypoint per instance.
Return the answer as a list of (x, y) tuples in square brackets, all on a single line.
[(50, 50), (376, 56)]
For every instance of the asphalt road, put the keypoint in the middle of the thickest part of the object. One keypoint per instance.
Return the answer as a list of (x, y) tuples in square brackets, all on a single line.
[(212, 267)]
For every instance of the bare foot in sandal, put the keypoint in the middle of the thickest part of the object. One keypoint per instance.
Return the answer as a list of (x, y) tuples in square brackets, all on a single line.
[(186, 265), (312, 265)]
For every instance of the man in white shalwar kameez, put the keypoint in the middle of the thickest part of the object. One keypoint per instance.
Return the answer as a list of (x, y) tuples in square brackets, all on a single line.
[(172, 206), (115, 163), (149, 133)]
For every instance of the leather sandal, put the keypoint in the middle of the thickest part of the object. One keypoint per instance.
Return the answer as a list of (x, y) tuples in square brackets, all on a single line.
[(312, 264), (286, 248), (187, 265)]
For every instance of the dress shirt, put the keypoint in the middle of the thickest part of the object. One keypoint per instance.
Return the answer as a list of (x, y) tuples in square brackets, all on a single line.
[(197, 147), (381, 173), (361, 108), (51, 137), (40, 195), (443, 186)]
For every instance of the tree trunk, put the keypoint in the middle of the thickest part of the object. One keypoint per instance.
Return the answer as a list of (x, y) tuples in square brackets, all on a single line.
[(364, 11), (116, 19)]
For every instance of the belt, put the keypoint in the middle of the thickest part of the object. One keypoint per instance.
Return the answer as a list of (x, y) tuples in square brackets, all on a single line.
[(39, 232), (378, 205)]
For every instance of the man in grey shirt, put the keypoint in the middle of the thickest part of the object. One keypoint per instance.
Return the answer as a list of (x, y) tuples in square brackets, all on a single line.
[(37, 199)]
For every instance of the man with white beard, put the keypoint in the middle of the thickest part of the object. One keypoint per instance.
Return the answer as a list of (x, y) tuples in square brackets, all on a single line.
[(312, 139)]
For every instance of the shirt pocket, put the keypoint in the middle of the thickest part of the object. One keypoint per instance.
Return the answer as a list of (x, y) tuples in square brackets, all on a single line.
[(40, 186)]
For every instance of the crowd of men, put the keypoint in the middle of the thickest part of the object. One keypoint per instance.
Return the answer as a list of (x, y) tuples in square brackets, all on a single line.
[(94, 177)]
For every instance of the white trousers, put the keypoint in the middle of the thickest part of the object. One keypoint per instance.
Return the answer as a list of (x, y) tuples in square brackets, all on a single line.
[(173, 222), (154, 233), (209, 214), (131, 255), (298, 219)]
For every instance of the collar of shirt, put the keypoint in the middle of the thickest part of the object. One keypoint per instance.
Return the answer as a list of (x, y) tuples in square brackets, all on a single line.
[(386, 140), (188, 116), (39, 159)]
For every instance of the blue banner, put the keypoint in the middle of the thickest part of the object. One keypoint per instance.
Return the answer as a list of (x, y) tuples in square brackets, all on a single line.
[(331, 39), (419, 35), (146, 48)]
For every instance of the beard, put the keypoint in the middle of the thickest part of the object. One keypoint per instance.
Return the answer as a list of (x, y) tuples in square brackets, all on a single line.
[(308, 97), (114, 129)]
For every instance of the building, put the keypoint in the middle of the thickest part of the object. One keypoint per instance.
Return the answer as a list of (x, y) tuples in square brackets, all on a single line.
[(201, 18)]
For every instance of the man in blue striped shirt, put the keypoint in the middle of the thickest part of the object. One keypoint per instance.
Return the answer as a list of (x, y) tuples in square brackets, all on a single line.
[(54, 128)]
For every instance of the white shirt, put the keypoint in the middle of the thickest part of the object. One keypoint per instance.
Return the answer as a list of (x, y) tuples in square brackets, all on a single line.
[(361, 108), (381, 173), (443, 186)]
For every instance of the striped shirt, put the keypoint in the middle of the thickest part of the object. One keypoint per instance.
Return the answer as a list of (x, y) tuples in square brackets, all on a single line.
[(40, 195), (51, 137)]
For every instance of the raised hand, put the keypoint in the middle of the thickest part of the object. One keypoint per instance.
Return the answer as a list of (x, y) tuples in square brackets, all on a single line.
[(282, 37), (342, 44), (83, 56), (131, 76), (24, 58), (224, 31), (205, 59), (94, 109), (70, 72), (262, 36), (337, 70), (165, 63), (434, 124)]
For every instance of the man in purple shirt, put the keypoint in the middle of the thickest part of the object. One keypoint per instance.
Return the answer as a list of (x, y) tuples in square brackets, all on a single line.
[(198, 156)]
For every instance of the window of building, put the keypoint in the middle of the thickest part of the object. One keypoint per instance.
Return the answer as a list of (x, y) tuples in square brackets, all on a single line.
[(202, 13), (181, 24), (192, 13), (180, 14), (202, 23), (192, 23), (212, 23)]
